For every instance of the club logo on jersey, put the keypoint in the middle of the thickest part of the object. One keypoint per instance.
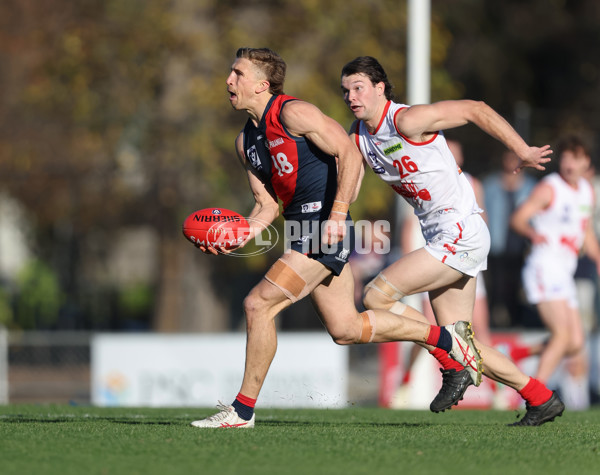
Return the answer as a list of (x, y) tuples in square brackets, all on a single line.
[(450, 248), (252, 155), (343, 255), (393, 148), (311, 207), (375, 166)]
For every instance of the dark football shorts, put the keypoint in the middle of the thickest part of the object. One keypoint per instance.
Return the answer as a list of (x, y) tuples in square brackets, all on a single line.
[(304, 235)]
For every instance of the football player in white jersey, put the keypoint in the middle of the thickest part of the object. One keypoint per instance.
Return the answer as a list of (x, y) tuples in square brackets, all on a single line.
[(557, 219), (406, 148)]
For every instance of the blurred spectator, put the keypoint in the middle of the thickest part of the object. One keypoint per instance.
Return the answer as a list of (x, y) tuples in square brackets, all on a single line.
[(504, 191)]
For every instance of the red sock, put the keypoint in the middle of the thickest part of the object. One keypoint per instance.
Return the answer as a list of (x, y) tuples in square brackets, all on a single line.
[(434, 335), (535, 393), (247, 401), (444, 358), (517, 353)]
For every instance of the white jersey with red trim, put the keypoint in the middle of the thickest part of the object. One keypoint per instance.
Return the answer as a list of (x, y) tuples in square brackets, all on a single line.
[(424, 173), (563, 223)]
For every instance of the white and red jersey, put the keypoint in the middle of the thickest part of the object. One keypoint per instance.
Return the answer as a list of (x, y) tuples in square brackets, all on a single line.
[(424, 173), (563, 223)]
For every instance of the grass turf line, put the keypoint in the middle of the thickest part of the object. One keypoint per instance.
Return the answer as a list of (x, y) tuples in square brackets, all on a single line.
[(77, 439)]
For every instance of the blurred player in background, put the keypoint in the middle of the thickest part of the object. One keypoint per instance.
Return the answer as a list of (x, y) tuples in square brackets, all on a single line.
[(557, 220), (406, 148), (293, 152)]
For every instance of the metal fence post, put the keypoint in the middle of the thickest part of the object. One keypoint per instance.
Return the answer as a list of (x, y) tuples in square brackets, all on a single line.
[(3, 365)]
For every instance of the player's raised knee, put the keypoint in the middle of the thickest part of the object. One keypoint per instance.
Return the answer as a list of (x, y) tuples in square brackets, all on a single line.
[(360, 329), (342, 332), (380, 293), (374, 299)]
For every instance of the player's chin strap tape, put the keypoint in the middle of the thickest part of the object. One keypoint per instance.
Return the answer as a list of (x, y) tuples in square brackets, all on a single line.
[(369, 327), (287, 280), (381, 284)]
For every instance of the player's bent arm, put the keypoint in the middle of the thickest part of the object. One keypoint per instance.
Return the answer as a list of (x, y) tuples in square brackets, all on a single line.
[(540, 199), (358, 183), (361, 175), (266, 207), (304, 119), (419, 122)]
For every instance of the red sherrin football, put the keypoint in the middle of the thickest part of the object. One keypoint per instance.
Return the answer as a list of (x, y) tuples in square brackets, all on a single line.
[(216, 227)]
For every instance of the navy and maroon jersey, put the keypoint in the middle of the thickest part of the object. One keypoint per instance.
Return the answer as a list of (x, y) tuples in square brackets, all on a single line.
[(303, 177)]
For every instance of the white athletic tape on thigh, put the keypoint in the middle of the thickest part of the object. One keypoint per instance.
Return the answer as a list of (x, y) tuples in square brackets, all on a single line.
[(381, 284)]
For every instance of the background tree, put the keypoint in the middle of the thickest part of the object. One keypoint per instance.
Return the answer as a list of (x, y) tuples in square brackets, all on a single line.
[(114, 122)]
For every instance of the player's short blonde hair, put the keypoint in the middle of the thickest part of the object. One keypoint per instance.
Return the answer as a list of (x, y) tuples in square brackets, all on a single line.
[(269, 63)]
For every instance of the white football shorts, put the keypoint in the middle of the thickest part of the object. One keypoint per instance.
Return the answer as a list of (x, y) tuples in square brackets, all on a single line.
[(544, 281), (463, 246)]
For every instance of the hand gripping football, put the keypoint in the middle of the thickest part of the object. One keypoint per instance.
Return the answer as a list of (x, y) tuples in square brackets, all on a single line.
[(216, 227)]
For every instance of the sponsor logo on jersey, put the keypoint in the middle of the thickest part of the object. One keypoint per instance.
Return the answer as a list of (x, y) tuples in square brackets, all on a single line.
[(375, 166), (393, 148), (311, 207), (464, 257), (446, 211), (252, 155), (275, 143)]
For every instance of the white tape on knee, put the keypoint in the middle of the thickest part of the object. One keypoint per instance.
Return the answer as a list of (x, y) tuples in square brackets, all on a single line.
[(381, 284), (398, 308)]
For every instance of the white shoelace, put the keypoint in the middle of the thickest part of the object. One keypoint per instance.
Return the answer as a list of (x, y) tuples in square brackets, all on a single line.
[(224, 414)]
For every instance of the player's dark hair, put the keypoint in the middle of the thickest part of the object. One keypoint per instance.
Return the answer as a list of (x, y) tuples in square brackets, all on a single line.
[(371, 68), (573, 143), (270, 63)]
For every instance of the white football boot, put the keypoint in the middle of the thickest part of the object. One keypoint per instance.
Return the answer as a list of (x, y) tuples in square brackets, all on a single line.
[(227, 418), (464, 350)]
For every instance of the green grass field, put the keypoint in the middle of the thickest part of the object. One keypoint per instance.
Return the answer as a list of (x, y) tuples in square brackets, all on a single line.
[(51, 439)]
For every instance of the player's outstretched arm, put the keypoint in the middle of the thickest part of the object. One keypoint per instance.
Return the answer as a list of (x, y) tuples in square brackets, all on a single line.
[(421, 121)]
